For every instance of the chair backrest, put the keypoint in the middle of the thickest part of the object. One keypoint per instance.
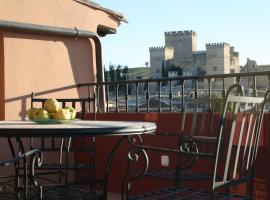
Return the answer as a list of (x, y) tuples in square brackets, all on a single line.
[(84, 104), (62, 146), (197, 118), (238, 137)]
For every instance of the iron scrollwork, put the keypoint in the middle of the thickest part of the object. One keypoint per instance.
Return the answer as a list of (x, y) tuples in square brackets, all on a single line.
[(136, 156), (188, 146), (36, 161)]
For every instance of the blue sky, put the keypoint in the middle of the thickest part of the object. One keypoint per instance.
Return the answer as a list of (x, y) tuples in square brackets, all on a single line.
[(243, 24)]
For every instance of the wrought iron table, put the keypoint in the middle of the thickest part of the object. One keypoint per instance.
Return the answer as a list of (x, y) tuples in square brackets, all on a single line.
[(79, 128)]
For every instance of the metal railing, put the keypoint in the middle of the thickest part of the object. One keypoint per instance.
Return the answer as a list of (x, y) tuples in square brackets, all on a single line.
[(171, 94)]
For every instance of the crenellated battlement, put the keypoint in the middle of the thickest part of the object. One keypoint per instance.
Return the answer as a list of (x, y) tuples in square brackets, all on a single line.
[(179, 33), (156, 49), (216, 44), (199, 52)]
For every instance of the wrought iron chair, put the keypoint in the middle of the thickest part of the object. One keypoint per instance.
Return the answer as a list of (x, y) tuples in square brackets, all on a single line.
[(66, 164), (232, 163), (16, 185), (197, 123)]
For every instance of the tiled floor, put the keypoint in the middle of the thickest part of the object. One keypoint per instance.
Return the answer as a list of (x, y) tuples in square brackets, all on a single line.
[(114, 196)]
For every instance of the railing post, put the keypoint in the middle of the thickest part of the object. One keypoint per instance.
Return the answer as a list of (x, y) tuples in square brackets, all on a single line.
[(269, 81), (254, 86), (126, 96), (98, 96), (89, 96), (107, 97), (209, 88), (182, 82), (238, 79), (170, 95), (137, 94), (223, 89), (147, 96), (196, 89), (116, 97), (159, 96)]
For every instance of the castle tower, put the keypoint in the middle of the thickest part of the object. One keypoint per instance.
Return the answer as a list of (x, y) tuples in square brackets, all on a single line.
[(222, 59), (184, 44), (217, 58), (157, 57)]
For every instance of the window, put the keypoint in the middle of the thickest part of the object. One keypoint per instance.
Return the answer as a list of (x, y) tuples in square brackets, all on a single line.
[(215, 68), (158, 71)]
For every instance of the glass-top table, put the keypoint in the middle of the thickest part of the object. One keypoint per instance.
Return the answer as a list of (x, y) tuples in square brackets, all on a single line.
[(76, 128), (127, 130)]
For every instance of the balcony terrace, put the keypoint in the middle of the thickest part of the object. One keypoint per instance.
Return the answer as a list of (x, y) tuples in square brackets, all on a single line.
[(132, 101), (168, 103)]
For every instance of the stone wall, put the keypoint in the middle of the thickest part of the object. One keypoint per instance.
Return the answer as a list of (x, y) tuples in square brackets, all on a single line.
[(199, 59), (156, 59)]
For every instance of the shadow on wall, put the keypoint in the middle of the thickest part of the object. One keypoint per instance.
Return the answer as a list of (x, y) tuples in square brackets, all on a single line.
[(80, 59)]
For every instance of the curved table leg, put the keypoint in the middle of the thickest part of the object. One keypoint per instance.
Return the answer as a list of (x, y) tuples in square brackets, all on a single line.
[(133, 156)]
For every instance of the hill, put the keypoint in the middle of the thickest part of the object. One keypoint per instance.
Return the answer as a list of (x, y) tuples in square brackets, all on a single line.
[(138, 73)]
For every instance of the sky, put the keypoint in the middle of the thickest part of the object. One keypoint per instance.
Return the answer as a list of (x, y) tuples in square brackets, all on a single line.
[(243, 24)]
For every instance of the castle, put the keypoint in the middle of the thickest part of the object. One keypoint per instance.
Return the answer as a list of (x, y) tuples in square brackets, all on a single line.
[(181, 50)]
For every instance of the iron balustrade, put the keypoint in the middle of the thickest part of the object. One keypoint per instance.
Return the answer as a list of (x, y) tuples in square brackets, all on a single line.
[(172, 94)]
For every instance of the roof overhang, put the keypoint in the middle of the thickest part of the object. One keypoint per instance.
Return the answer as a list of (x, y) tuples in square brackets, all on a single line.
[(115, 14)]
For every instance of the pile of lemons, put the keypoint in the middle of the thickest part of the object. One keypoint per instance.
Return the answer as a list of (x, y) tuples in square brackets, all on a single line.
[(51, 110)]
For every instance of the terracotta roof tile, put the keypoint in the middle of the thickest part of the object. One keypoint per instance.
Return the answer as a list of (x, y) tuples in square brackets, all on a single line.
[(92, 4)]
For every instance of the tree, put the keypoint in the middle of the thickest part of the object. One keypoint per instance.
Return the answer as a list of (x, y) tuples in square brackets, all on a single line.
[(106, 74), (174, 68), (118, 72), (112, 72), (146, 64), (125, 72)]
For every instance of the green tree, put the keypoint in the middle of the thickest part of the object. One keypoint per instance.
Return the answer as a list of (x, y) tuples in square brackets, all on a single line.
[(106, 74), (146, 64), (112, 76), (112, 72), (119, 72), (125, 70)]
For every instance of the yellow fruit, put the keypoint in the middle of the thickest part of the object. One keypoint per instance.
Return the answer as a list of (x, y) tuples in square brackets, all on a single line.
[(41, 114), (62, 114), (31, 111), (72, 112), (51, 105)]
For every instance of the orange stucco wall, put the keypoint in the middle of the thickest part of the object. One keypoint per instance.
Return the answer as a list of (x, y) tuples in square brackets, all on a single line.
[(42, 64), (2, 80), (62, 13)]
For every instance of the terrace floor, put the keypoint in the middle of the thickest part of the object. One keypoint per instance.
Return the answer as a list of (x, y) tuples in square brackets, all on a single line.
[(114, 196)]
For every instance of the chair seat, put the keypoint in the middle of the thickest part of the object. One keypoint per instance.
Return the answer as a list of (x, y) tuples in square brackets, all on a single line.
[(182, 193), (185, 175), (53, 166), (70, 192)]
